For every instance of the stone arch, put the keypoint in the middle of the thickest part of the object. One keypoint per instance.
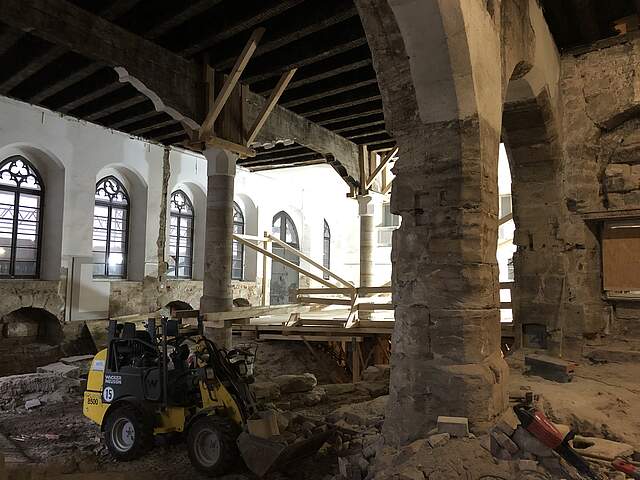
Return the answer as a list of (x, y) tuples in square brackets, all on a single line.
[(175, 305), (52, 171), (137, 189)]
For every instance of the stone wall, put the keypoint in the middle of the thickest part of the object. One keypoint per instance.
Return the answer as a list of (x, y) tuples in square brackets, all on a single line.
[(601, 173), (46, 294), (128, 298)]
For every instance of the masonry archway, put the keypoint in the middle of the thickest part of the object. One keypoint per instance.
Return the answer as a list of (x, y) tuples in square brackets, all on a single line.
[(30, 337), (443, 90)]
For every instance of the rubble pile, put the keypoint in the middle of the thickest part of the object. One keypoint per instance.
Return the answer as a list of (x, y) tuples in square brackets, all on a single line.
[(34, 389), (302, 391)]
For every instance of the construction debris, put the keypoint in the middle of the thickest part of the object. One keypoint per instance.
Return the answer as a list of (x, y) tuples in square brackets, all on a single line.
[(454, 426)]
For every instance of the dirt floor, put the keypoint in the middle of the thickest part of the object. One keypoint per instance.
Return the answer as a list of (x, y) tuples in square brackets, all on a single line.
[(603, 400)]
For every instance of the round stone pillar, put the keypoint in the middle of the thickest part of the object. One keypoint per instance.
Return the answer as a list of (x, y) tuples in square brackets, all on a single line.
[(366, 210), (216, 289)]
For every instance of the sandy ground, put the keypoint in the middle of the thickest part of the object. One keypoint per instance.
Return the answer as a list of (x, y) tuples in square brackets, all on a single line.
[(602, 400)]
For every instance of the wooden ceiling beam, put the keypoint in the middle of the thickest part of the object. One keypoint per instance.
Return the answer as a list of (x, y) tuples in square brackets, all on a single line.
[(114, 105), (129, 115), (358, 96)]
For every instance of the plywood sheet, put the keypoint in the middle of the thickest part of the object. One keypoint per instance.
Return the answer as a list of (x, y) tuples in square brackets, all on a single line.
[(621, 256)]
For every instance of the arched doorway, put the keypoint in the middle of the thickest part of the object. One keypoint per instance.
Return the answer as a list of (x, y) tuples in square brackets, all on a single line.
[(284, 280)]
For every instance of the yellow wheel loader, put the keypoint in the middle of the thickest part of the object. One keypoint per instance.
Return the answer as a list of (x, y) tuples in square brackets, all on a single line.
[(172, 379)]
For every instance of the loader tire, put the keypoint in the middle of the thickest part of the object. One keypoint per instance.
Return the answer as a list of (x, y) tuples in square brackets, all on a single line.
[(126, 433), (211, 442)]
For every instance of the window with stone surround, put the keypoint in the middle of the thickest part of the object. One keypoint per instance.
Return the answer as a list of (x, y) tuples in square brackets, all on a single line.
[(237, 256), (21, 198), (110, 229), (180, 235)]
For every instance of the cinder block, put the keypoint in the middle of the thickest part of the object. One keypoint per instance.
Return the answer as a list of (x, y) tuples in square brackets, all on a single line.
[(454, 426)]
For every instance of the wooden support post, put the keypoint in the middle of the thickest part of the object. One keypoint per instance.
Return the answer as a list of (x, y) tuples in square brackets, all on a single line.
[(363, 155), (355, 360), (276, 93), (387, 188), (266, 272), (206, 129), (383, 163)]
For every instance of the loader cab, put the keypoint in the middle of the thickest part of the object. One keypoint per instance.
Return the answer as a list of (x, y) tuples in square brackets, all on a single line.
[(133, 366)]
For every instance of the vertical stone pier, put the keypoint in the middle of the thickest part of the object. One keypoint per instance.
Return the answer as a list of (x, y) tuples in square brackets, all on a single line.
[(217, 294)]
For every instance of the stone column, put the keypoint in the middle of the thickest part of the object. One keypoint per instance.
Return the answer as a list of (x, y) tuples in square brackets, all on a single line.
[(216, 290), (446, 357), (366, 210)]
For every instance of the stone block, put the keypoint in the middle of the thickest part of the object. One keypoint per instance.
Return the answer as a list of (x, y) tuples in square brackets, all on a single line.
[(439, 439), (508, 422), (454, 426), (527, 465), (550, 368), (504, 441), (33, 403), (336, 389), (83, 362), (296, 383), (268, 391), (601, 448), (61, 369)]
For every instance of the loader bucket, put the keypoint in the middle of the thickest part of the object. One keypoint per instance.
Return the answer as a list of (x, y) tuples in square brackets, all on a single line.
[(262, 456)]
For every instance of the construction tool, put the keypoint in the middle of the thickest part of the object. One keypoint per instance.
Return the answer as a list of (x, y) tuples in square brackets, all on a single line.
[(626, 467), (173, 379), (538, 425)]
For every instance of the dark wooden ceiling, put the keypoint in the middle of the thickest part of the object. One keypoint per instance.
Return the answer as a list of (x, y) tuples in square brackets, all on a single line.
[(335, 85), (575, 23)]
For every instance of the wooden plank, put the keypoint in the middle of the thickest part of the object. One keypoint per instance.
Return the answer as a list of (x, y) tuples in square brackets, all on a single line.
[(187, 313), (297, 252), (266, 273), (253, 238), (373, 290), (506, 285), (276, 93), (286, 263), (505, 219), (240, 313), (318, 330), (311, 322), (371, 307), (316, 338), (327, 291), (506, 305), (387, 187), (377, 324), (206, 129), (325, 301), (218, 142), (383, 163), (611, 215)]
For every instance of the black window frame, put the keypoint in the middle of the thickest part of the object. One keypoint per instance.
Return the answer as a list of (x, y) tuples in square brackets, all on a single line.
[(185, 212), (19, 179), (110, 206), (237, 253)]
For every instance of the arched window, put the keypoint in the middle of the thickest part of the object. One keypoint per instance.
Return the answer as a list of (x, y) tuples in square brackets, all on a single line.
[(21, 198), (237, 258), (180, 236), (284, 280), (326, 249), (110, 229)]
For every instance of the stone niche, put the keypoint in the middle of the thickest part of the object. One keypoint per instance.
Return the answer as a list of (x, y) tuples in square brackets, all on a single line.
[(30, 337)]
